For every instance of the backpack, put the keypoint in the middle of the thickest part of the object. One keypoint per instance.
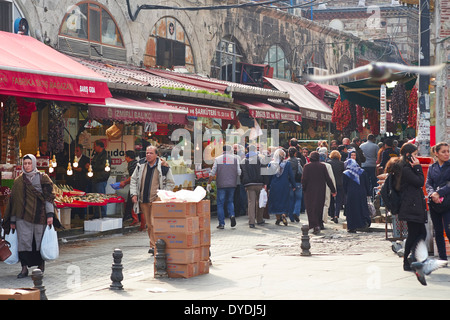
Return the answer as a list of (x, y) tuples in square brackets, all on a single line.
[(390, 196)]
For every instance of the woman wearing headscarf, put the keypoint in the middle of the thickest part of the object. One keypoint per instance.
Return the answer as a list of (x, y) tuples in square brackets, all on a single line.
[(29, 210), (315, 180), (281, 181), (357, 189)]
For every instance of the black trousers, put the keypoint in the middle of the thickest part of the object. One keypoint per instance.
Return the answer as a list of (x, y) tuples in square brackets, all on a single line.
[(416, 232)]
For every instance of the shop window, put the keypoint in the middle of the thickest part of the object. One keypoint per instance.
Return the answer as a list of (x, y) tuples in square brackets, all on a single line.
[(276, 58), (89, 29)]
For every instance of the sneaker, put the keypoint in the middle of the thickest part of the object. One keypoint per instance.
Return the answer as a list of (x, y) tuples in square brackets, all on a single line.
[(261, 223), (251, 225), (233, 221), (220, 226)]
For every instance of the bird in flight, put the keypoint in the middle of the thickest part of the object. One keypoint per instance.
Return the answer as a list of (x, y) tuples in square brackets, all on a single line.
[(379, 71), (424, 265)]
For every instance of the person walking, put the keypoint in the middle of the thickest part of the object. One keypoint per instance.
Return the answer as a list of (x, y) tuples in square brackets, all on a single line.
[(295, 196), (226, 169), (370, 150), (101, 176), (356, 186), (409, 180), (338, 168), (281, 181), (323, 156), (388, 153), (437, 186), (29, 210), (315, 179), (149, 176), (355, 145), (253, 182)]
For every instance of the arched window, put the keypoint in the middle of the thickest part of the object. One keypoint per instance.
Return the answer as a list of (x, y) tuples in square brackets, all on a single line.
[(276, 58), (225, 64), (168, 46), (89, 29)]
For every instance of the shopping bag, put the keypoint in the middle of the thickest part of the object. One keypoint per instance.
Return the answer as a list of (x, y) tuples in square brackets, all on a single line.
[(372, 210), (49, 244), (12, 239), (263, 198)]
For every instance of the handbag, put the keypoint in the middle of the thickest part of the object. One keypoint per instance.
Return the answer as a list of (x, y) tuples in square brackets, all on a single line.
[(5, 253), (442, 207)]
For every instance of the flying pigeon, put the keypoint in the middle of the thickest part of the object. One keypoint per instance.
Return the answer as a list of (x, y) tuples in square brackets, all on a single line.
[(379, 71), (424, 265)]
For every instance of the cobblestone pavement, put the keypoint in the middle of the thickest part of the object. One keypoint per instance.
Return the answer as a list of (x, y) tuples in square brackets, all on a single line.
[(83, 269)]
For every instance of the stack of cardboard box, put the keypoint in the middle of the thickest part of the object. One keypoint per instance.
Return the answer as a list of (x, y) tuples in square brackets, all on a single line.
[(186, 229)]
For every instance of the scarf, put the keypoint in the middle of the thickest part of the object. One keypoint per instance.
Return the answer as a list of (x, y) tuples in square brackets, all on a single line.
[(353, 170), (278, 162), (30, 175)]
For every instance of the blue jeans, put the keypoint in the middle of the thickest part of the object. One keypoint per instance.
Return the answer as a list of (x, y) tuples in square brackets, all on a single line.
[(100, 187), (225, 196), (295, 200), (441, 222), (371, 174)]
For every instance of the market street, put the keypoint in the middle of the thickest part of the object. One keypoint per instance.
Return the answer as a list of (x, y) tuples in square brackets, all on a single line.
[(261, 263)]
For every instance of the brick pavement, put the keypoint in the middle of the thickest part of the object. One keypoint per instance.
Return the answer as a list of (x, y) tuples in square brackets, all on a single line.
[(260, 263)]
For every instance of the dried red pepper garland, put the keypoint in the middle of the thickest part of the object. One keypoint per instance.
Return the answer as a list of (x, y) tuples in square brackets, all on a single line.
[(341, 114), (412, 112)]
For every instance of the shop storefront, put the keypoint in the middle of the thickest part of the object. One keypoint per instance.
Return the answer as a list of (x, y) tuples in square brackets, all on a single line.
[(37, 83)]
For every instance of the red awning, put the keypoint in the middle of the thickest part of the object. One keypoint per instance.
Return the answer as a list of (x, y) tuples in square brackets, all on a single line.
[(319, 90), (258, 109), (29, 68), (137, 110), (198, 110)]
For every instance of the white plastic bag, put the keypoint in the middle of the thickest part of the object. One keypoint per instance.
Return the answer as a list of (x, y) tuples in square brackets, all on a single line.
[(263, 198), (12, 239), (183, 195), (49, 244)]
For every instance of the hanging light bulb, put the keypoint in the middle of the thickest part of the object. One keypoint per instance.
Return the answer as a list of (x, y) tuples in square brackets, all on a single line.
[(75, 162), (54, 164), (50, 167), (90, 173), (69, 170), (37, 153), (107, 168)]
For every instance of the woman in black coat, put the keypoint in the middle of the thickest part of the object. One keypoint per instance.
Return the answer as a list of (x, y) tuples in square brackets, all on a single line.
[(438, 186), (409, 180)]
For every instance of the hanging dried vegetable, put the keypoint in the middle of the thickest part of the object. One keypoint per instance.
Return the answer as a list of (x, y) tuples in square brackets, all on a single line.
[(374, 121), (412, 114), (399, 104), (359, 118), (11, 118), (352, 125), (341, 114), (56, 134)]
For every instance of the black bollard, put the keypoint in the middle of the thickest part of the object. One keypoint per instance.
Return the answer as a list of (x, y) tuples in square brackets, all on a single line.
[(305, 241), (160, 260), (117, 275), (37, 277)]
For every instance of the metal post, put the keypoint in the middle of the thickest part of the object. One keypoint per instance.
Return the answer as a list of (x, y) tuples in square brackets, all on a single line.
[(37, 277), (424, 80), (117, 275), (441, 76), (160, 260), (305, 241)]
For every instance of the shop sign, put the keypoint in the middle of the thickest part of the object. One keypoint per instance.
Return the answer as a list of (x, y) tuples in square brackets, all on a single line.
[(274, 115), (205, 111)]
